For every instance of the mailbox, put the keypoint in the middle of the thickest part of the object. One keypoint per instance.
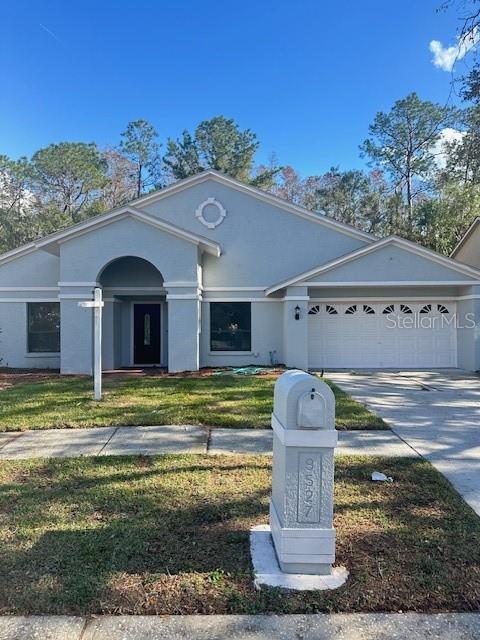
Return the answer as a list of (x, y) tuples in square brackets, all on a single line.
[(301, 508), (312, 411)]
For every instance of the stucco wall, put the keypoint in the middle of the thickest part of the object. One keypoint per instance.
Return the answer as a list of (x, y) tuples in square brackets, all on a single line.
[(469, 252), (261, 243), (37, 269), (390, 264), (84, 257), (468, 336)]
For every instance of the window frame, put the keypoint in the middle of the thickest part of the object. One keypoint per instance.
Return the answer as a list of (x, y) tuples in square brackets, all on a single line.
[(39, 354), (229, 352)]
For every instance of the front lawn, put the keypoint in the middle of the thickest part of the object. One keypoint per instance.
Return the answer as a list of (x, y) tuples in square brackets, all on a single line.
[(212, 400), (169, 535)]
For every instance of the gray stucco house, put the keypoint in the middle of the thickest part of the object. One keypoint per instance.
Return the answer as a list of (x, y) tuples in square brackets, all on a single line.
[(211, 272)]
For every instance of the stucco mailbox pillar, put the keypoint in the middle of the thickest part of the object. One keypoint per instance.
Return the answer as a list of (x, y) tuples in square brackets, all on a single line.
[(301, 508)]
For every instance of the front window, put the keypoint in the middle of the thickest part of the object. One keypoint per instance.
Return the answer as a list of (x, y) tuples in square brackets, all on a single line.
[(230, 326), (43, 327)]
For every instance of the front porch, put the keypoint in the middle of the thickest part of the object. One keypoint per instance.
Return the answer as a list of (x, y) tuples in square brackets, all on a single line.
[(139, 307)]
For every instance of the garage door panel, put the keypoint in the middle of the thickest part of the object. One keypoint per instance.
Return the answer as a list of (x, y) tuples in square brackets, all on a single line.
[(405, 338)]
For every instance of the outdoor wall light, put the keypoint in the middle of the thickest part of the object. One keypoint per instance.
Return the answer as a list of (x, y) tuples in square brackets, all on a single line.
[(297, 312)]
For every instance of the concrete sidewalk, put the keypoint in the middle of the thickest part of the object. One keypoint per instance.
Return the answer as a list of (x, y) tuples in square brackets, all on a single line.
[(105, 441), (379, 626)]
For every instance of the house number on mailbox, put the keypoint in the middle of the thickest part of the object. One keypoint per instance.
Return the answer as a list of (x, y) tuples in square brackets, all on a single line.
[(309, 475)]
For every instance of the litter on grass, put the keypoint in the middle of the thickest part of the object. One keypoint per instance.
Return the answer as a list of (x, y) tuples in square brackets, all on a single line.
[(381, 477)]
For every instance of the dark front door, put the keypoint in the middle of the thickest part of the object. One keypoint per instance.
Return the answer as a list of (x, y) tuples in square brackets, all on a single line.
[(146, 334)]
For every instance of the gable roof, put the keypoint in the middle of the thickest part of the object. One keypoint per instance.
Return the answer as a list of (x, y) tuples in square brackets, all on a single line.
[(465, 236), (48, 242), (52, 242), (371, 248), (264, 196)]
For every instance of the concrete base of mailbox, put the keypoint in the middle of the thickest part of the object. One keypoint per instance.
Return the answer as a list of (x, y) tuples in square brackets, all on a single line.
[(268, 572), (306, 551)]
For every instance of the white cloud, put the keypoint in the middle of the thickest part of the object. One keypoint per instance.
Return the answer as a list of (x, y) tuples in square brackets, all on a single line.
[(439, 150), (445, 57)]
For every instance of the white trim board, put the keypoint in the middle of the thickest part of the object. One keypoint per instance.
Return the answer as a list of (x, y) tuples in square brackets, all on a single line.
[(79, 284), (411, 247), (234, 289), (388, 298), (16, 300), (181, 284), (29, 289), (135, 289), (231, 299), (394, 283)]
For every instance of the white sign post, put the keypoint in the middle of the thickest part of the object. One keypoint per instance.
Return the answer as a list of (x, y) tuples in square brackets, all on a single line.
[(96, 304)]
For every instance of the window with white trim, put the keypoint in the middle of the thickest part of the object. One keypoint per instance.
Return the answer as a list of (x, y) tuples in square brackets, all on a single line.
[(442, 308), (389, 309), (368, 309), (330, 309), (314, 310), (404, 308), (349, 311), (43, 327)]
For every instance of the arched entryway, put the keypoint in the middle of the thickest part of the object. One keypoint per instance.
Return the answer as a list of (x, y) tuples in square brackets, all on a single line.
[(135, 314)]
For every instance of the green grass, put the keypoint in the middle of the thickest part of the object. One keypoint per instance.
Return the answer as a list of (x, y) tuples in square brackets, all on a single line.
[(169, 535), (224, 401)]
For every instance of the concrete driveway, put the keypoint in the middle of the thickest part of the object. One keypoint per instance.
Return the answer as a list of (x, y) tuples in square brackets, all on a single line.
[(436, 412)]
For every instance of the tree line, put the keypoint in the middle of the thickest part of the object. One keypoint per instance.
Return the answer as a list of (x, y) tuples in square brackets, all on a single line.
[(422, 180), (68, 182)]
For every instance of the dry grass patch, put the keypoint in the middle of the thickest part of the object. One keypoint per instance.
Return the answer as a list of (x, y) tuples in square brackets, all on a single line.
[(169, 535)]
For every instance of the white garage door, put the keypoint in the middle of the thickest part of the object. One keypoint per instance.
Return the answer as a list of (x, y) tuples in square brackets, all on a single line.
[(370, 334)]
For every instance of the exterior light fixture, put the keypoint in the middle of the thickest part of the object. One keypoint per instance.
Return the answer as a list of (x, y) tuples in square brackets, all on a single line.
[(297, 312)]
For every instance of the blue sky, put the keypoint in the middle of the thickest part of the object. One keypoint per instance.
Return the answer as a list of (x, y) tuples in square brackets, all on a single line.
[(307, 77)]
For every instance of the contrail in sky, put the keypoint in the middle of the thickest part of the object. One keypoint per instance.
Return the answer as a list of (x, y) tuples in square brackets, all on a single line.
[(50, 33)]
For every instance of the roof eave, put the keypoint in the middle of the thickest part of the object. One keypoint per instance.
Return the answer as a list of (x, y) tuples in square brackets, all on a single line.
[(359, 253), (52, 243), (465, 237)]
